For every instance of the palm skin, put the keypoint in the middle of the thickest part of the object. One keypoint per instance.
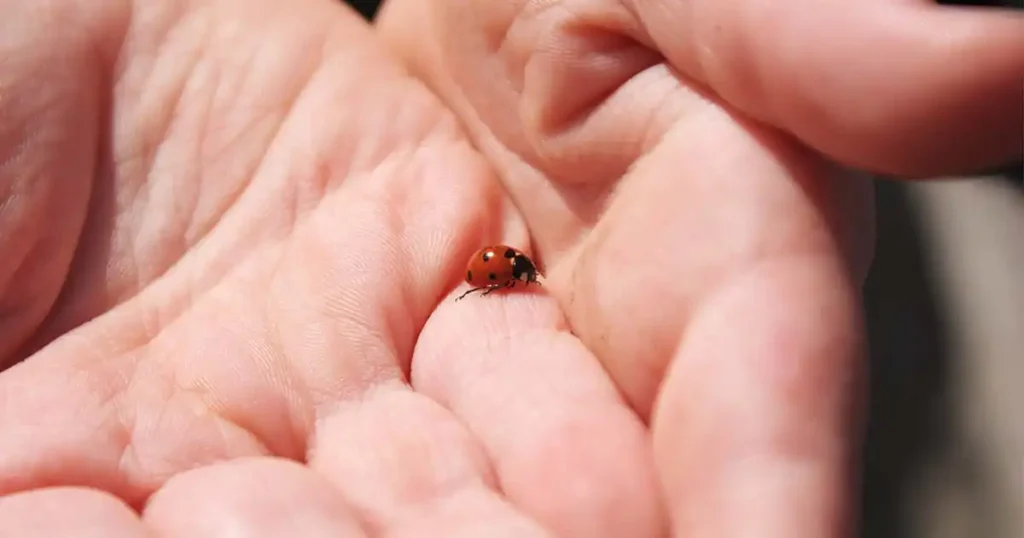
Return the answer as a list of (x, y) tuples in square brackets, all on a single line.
[(235, 290), (274, 234)]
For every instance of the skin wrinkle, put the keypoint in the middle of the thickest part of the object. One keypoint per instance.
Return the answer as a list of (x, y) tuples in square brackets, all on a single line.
[(161, 120), (569, 42), (399, 322), (181, 406), (493, 102), (483, 137), (377, 325), (556, 120), (293, 407), (54, 324), (159, 386), (128, 420), (455, 96), (240, 195), (429, 482), (224, 214), (266, 358), (345, 321), (90, 381), (294, 388), (572, 49), (247, 186), (130, 459), (192, 206), (529, 25), (274, 117)]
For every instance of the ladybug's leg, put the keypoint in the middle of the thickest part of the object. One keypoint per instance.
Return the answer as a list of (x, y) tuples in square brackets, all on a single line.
[(492, 288), (471, 291)]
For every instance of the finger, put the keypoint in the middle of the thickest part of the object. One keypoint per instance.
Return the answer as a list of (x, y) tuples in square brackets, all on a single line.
[(50, 101), (757, 413), (412, 469), (566, 448), (895, 87), (469, 515), (62, 512), (255, 497)]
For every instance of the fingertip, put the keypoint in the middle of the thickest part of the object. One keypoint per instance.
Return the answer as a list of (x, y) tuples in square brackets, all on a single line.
[(913, 91), (68, 511), (905, 89), (258, 496)]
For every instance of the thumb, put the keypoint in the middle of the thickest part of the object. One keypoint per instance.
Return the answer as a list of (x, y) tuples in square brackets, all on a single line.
[(891, 87), (898, 88), (51, 94)]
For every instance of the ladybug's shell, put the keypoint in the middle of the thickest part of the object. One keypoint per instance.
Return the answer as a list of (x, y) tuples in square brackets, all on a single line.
[(495, 265)]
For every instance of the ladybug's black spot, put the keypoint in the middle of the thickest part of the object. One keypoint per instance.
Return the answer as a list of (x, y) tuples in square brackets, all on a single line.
[(469, 276), (510, 253), (492, 276), (488, 255)]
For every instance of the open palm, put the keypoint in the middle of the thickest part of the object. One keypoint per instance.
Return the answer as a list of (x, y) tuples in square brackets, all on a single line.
[(276, 223), (233, 232)]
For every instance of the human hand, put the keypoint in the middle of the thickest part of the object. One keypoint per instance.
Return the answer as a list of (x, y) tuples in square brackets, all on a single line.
[(133, 398), (232, 231), (710, 260)]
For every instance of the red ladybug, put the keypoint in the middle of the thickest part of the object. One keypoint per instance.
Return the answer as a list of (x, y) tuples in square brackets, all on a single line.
[(499, 266)]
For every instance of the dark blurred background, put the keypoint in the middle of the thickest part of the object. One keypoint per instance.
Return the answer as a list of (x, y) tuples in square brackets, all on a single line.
[(945, 314)]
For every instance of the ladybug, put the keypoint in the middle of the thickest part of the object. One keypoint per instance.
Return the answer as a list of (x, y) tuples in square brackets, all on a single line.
[(499, 266)]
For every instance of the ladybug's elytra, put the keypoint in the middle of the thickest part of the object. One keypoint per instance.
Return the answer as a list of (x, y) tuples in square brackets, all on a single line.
[(499, 266)]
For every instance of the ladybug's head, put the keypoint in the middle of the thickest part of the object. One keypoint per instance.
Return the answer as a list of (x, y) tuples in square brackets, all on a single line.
[(524, 269)]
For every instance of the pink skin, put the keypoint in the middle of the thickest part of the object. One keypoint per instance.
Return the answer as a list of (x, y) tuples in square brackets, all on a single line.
[(232, 233)]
